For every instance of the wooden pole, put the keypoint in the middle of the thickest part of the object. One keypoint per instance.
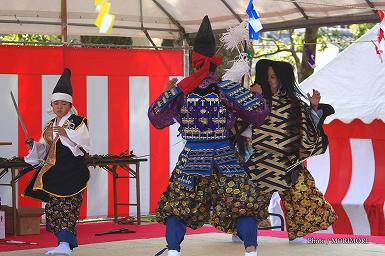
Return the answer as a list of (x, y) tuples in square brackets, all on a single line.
[(64, 21)]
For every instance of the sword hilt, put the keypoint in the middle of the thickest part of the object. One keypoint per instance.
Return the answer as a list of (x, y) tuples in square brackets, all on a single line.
[(29, 142)]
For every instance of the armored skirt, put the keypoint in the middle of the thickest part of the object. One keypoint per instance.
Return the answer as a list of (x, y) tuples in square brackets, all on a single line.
[(220, 194)]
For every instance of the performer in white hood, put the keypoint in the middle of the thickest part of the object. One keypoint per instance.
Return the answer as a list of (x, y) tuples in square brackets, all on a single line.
[(63, 174)]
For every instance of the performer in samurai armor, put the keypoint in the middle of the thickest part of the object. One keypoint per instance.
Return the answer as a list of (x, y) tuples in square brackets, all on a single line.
[(208, 178)]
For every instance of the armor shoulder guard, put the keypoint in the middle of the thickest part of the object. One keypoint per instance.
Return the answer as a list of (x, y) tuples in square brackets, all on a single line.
[(74, 121), (162, 101), (239, 94)]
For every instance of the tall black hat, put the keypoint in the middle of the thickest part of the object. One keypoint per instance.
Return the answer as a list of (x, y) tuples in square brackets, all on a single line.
[(204, 42), (64, 83)]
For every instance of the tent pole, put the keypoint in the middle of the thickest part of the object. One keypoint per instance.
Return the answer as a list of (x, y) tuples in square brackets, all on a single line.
[(371, 5), (302, 11), (63, 15), (143, 28), (186, 61)]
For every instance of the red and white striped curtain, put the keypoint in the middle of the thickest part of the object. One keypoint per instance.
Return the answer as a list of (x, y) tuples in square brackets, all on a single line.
[(113, 88)]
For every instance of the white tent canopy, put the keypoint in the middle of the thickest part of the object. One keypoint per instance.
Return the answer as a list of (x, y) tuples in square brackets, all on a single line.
[(173, 18), (354, 82)]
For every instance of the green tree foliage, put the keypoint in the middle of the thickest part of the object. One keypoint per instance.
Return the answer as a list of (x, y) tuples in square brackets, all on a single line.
[(287, 45), (30, 38), (359, 30), (106, 40)]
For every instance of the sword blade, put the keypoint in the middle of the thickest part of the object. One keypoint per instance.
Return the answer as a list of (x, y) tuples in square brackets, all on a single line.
[(19, 116)]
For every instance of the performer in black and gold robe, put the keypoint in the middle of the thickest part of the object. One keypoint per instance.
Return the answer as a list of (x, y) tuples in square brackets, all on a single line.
[(208, 180), (290, 134), (63, 174)]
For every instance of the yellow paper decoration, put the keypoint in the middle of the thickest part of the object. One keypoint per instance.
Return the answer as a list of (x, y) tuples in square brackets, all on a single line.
[(104, 20)]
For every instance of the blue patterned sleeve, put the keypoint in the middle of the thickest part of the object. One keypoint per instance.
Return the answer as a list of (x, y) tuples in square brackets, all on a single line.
[(164, 110), (245, 104)]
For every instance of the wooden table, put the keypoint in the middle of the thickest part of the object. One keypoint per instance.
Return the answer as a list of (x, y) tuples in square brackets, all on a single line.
[(111, 164), (5, 167), (108, 163)]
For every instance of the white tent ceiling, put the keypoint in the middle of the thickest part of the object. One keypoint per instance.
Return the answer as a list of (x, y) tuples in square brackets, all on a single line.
[(173, 18), (353, 83)]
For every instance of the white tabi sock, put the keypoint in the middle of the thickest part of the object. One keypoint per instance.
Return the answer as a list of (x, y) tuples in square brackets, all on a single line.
[(250, 253), (62, 249), (173, 253)]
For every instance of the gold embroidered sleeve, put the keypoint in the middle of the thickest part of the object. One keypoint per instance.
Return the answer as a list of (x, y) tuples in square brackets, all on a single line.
[(311, 142)]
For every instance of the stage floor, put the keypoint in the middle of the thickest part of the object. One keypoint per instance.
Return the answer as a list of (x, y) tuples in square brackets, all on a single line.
[(215, 244)]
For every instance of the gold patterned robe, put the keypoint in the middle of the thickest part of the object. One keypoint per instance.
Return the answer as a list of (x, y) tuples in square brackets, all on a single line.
[(287, 137)]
